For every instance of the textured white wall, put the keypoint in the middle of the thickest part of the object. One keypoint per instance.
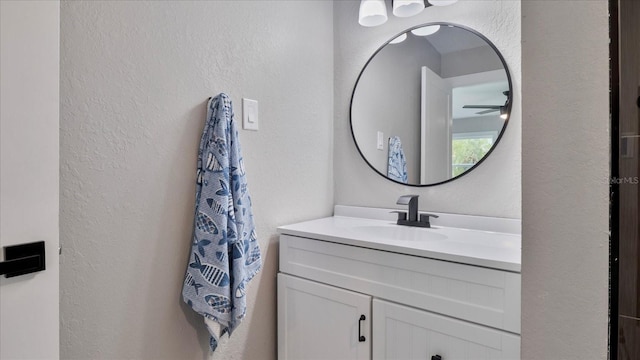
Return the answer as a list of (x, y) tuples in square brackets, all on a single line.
[(492, 189), (135, 77), (565, 167)]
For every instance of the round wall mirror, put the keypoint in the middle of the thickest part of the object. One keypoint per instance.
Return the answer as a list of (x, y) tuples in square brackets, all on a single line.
[(431, 104)]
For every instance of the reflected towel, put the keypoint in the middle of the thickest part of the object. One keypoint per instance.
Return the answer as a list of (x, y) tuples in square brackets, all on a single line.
[(397, 168), (224, 254)]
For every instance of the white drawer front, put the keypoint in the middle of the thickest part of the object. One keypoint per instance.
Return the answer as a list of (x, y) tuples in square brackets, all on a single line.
[(401, 332), (484, 296)]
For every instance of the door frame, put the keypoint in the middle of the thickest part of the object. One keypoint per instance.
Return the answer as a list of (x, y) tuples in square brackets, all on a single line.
[(614, 187)]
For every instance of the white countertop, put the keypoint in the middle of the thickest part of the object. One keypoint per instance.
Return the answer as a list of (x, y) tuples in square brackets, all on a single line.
[(497, 250)]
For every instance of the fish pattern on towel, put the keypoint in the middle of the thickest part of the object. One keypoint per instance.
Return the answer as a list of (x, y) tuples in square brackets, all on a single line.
[(206, 224), (190, 282), (213, 275), (225, 254), (218, 303), (213, 164)]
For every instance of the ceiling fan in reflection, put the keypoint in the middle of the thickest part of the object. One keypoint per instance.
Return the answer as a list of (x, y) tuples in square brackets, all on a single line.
[(492, 108)]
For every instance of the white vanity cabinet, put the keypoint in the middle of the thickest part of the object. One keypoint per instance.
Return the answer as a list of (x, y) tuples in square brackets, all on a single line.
[(414, 307)]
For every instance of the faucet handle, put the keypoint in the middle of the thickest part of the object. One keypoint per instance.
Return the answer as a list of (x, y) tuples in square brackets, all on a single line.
[(428, 215), (424, 219), (402, 215)]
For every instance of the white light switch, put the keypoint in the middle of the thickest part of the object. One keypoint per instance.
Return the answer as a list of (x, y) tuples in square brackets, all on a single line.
[(249, 114), (380, 140)]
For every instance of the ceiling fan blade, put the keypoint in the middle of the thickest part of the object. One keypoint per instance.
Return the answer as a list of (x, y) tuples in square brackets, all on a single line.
[(486, 111), (495, 107)]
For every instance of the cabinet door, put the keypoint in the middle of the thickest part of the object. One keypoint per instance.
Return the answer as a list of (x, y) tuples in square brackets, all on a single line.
[(401, 332), (317, 321)]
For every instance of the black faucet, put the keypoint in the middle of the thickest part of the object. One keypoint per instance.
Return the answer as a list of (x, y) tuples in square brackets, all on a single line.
[(411, 218)]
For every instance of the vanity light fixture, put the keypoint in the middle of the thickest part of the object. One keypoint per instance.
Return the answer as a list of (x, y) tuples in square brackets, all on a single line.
[(426, 30), (399, 39), (372, 13)]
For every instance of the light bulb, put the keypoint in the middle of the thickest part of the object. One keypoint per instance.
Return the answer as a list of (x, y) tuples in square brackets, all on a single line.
[(372, 13), (441, 2), (399, 39), (406, 8), (426, 30)]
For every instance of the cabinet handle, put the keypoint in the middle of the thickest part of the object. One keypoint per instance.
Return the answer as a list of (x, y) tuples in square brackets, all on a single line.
[(436, 357), (361, 338), (23, 259)]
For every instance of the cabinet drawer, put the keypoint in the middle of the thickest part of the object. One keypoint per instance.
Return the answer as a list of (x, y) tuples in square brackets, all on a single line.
[(480, 295), (401, 332)]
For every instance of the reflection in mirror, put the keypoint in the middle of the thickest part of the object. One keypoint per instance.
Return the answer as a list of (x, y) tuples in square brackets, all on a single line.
[(430, 104)]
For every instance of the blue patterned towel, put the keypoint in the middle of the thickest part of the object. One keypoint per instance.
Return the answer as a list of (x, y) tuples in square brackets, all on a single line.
[(225, 254), (397, 169)]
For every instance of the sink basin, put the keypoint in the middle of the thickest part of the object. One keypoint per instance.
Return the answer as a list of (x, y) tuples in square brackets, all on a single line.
[(400, 232)]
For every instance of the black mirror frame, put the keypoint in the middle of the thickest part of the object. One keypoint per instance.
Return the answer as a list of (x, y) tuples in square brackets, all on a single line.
[(508, 109)]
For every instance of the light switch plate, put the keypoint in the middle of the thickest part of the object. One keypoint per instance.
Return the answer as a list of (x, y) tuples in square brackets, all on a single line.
[(249, 114), (380, 142)]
